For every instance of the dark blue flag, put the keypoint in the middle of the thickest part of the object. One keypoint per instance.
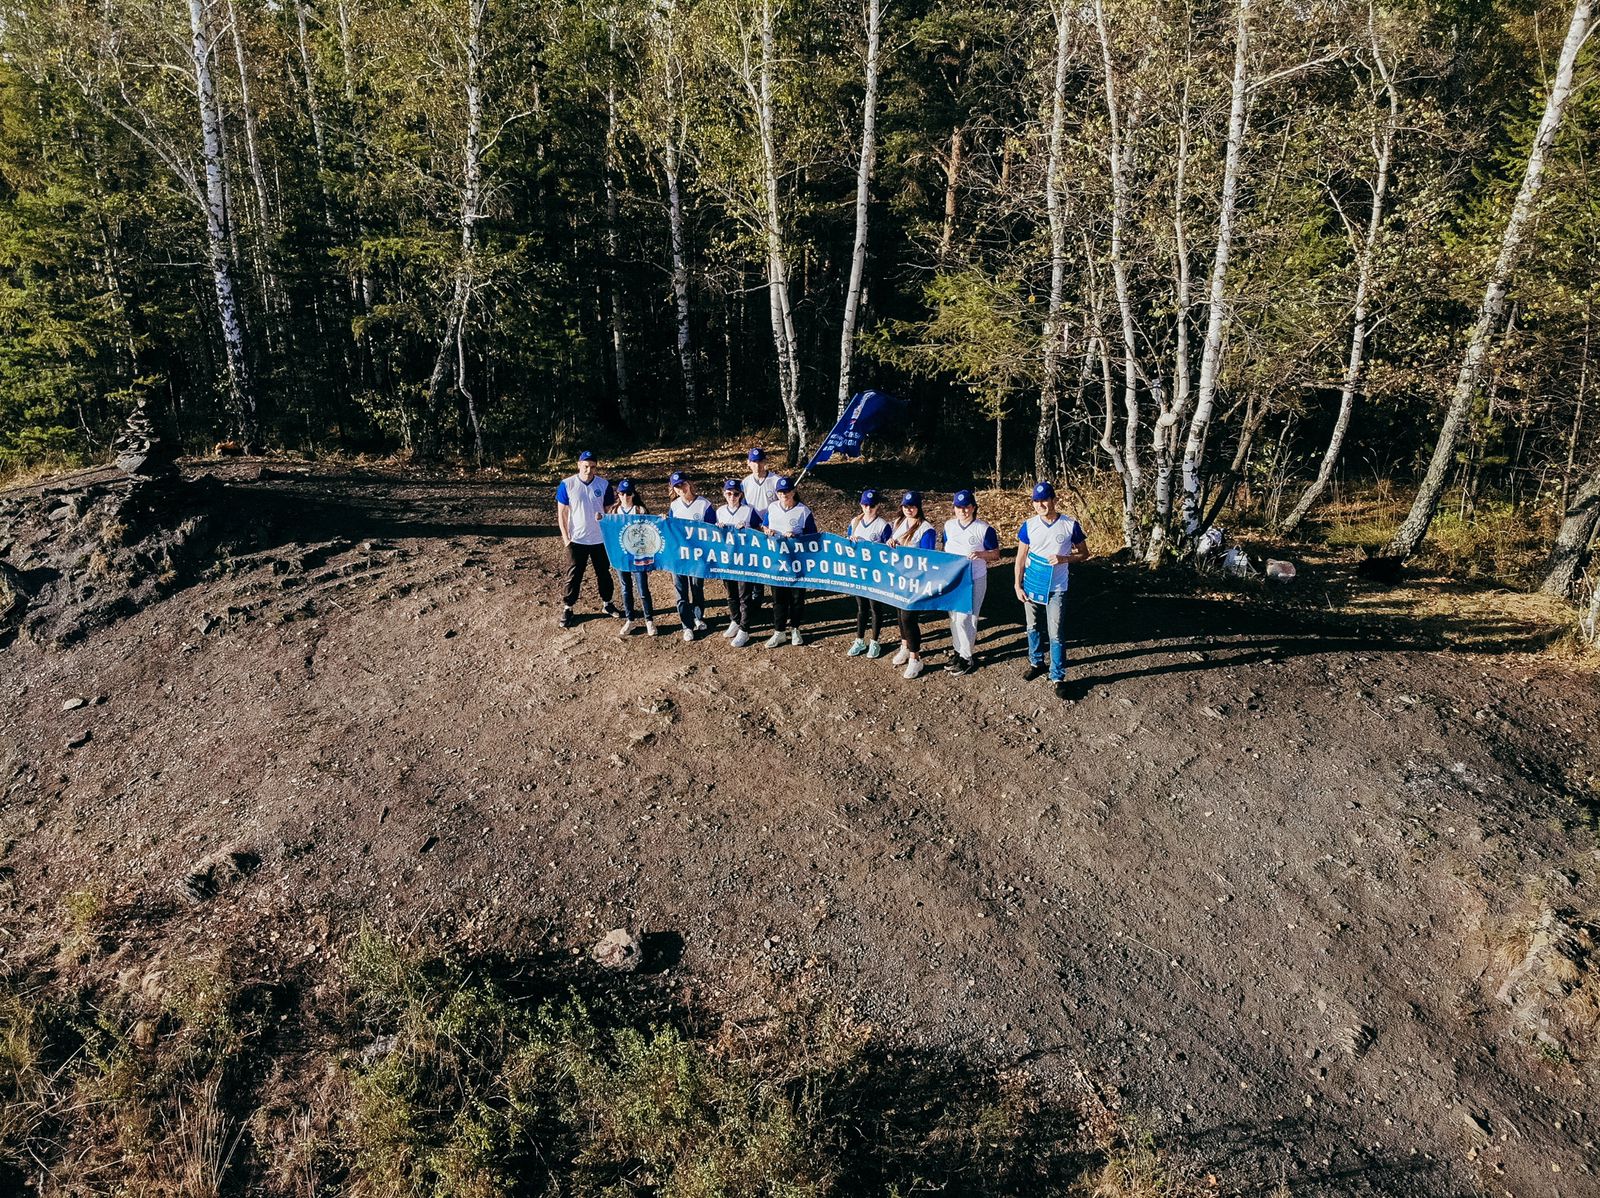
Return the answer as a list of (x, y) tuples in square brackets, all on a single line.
[(865, 414)]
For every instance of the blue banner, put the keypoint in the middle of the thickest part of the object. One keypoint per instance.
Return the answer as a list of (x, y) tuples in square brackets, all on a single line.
[(914, 579), (865, 414)]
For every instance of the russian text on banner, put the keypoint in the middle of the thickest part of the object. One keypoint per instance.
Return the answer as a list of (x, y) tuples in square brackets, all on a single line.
[(914, 579)]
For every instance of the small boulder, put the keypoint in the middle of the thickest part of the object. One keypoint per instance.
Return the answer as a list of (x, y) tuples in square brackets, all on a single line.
[(618, 949)]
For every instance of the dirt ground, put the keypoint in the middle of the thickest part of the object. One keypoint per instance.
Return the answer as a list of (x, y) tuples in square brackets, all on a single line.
[(1275, 881)]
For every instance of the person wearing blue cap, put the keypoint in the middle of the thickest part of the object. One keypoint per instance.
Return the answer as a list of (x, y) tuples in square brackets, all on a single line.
[(742, 596), (689, 589), (872, 527), (629, 503), (787, 517), (978, 543), (1047, 545), (760, 488), (580, 502), (911, 531)]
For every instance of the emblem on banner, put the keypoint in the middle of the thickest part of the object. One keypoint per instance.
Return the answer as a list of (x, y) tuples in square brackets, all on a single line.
[(642, 542)]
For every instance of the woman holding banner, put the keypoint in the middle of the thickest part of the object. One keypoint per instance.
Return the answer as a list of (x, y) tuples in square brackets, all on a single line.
[(911, 531), (743, 597), (690, 590), (868, 526), (629, 504), (788, 517)]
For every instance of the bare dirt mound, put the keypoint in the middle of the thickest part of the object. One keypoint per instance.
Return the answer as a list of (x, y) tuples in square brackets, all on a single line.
[(1314, 895)]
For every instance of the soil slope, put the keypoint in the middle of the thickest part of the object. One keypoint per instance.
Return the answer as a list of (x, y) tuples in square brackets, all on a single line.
[(1269, 880)]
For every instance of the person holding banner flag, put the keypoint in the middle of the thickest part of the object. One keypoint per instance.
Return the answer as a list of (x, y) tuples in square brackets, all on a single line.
[(911, 531), (868, 526), (629, 504), (760, 485), (690, 589), (788, 517), (743, 597), (1047, 545), (978, 543)]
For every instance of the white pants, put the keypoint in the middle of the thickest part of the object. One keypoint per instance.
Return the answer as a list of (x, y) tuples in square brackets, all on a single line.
[(964, 624)]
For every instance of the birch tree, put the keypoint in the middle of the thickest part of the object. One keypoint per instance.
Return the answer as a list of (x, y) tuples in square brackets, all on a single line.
[(1492, 309), (1365, 252), (1056, 219), (869, 149)]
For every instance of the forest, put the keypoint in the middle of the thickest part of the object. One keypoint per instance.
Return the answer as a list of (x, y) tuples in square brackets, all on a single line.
[(1188, 246)]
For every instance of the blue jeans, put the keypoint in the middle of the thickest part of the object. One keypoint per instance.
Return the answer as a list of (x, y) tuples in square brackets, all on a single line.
[(641, 580), (691, 593), (1048, 622)]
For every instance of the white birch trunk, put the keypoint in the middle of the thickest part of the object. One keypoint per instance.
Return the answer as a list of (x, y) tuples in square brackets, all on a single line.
[(952, 173), (241, 391), (672, 160), (1491, 312), (1049, 392), (1217, 317), (1356, 361), (858, 257), (619, 350), (785, 340), (471, 198), (1172, 412), (1119, 276)]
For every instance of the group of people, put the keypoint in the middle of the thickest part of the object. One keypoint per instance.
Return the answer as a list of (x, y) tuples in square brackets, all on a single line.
[(1048, 544)]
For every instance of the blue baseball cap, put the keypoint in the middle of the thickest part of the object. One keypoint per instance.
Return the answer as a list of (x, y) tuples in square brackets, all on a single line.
[(757, 454), (586, 456), (869, 498), (1043, 491), (625, 487), (911, 499), (963, 499), (732, 484), (783, 484), (677, 479)]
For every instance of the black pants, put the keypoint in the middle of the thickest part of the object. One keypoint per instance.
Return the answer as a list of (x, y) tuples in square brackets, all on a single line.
[(744, 602), (691, 595), (911, 630), (577, 556), (787, 603), (868, 611)]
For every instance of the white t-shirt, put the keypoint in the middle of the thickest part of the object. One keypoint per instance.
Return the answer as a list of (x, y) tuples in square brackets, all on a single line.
[(760, 493), (585, 502), (918, 534), (1050, 539), (699, 510), (876, 531), (970, 538), (796, 522), (743, 516)]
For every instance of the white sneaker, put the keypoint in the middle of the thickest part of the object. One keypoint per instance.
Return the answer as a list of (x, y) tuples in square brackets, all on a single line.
[(731, 631), (649, 628), (700, 626), (688, 634), (740, 641), (776, 639), (627, 627), (913, 667), (795, 638), (902, 656)]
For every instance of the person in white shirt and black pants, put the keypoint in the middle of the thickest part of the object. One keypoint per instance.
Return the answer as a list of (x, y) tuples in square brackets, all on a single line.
[(690, 590), (912, 531), (871, 527), (788, 517), (580, 502), (979, 544), (744, 598)]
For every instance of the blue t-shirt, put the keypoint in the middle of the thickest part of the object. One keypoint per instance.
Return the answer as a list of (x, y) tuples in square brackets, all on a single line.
[(1047, 538)]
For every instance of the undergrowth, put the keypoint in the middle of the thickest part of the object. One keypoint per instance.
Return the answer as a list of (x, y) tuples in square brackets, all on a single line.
[(422, 1074)]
